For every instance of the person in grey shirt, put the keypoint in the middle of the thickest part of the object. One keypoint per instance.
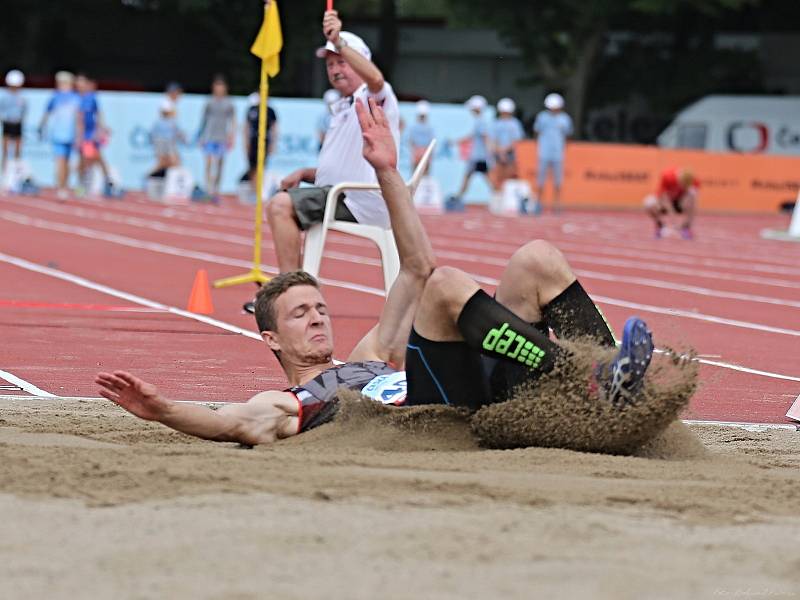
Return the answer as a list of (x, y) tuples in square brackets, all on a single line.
[(217, 133)]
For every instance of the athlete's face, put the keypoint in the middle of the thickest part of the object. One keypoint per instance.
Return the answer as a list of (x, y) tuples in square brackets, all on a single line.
[(303, 331), (341, 75)]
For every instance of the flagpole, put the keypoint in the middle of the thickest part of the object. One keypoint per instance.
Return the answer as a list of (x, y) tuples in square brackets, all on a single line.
[(256, 275)]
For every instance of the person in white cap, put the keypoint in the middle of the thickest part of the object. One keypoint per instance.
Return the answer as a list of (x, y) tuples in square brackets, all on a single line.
[(552, 127), (295, 209), (478, 144), (506, 131), (60, 120), (165, 137), (251, 135), (12, 114), (330, 97), (420, 134)]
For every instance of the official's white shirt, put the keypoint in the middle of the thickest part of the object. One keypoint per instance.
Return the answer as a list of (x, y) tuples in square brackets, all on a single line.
[(341, 158)]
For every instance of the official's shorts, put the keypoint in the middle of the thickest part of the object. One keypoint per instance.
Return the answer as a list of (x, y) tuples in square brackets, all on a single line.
[(12, 131), (554, 166), (452, 373), (215, 149), (62, 150), (309, 206), (505, 158), (478, 166)]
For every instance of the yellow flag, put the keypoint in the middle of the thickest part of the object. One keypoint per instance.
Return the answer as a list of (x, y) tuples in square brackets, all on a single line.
[(269, 42)]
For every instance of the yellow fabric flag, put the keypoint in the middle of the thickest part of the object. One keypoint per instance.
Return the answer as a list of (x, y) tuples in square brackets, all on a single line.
[(269, 42)]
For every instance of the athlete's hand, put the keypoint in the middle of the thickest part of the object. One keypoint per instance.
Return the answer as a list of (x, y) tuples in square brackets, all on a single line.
[(331, 26), (379, 148), (292, 180), (133, 394)]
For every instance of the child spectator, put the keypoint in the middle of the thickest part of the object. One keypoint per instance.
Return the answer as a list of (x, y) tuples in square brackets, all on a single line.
[(12, 114)]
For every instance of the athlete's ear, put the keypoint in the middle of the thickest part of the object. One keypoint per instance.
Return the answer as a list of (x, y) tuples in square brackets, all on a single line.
[(272, 340)]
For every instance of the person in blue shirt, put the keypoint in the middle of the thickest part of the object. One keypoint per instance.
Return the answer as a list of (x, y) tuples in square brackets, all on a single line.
[(60, 122), (92, 133), (506, 131), (478, 145), (12, 113), (165, 135), (420, 134), (552, 127)]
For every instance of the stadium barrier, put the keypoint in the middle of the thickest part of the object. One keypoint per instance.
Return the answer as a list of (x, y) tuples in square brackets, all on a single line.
[(620, 176)]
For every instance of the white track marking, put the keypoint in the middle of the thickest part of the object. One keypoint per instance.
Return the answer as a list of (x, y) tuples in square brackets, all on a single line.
[(131, 242), (697, 316), (162, 227), (96, 234), (25, 385), (104, 289), (754, 427)]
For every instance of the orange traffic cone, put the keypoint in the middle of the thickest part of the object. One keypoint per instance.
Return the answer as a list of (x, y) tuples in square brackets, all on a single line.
[(200, 298)]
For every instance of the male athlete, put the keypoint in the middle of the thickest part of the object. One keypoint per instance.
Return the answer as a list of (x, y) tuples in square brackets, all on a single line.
[(457, 344)]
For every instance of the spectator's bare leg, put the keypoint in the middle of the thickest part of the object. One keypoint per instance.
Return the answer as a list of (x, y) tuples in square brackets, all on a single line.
[(285, 232)]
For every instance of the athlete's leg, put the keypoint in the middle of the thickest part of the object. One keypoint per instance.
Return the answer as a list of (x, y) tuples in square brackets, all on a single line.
[(558, 177), (539, 286), (285, 231), (688, 207), (454, 308)]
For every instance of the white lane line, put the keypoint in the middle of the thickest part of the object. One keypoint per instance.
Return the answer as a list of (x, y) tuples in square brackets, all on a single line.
[(96, 234), (25, 385), (674, 312), (754, 427), (444, 241), (162, 227), (104, 289)]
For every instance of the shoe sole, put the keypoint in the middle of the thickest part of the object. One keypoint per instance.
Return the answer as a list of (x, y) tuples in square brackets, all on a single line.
[(633, 359)]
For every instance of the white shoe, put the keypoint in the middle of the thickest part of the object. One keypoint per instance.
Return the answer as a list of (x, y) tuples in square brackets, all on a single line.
[(62, 194)]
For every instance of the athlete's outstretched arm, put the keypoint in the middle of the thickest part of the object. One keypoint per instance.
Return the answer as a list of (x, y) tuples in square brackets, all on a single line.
[(265, 418), (388, 340)]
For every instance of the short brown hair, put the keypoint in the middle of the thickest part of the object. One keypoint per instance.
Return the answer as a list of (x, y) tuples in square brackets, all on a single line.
[(272, 290)]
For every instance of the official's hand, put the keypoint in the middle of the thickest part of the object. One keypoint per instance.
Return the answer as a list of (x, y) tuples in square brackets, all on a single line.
[(134, 395), (292, 180), (379, 148), (331, 26)]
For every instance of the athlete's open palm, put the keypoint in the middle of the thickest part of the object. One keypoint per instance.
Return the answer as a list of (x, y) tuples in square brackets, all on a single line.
[(133, 394), (379, 148)]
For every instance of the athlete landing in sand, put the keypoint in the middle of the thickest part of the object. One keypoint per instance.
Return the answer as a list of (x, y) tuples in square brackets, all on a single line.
[(440, 338)]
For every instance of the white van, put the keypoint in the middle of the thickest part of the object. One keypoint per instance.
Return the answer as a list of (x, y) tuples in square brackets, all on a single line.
[(747, 124)]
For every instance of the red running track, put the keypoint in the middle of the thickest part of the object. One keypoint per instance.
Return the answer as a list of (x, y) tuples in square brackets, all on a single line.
[(729, 294)]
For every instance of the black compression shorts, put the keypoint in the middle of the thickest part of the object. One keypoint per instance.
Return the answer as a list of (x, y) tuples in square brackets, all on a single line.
[(452, 373)]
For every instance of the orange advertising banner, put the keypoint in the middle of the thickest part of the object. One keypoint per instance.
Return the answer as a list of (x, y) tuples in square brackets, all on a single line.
[(620, 175)]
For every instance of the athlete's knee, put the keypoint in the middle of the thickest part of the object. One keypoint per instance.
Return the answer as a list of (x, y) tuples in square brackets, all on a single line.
[(542, 260), (280, 206), (448, 287)]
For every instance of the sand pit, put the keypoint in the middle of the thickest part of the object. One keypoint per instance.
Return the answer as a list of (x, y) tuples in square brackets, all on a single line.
[(96, 503)]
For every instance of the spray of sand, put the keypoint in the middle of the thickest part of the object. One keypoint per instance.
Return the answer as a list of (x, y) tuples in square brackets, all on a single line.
[(557, 411)]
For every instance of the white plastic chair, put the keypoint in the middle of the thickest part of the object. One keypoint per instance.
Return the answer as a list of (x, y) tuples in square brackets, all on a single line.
[(383, 238)]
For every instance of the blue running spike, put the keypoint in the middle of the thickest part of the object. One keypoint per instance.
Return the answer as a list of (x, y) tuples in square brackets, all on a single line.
[(623, 377)]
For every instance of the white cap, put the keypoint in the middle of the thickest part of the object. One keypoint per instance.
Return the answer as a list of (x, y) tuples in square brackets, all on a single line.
[(254, 99), (167, 105), (15, 78), (423, 107), (331, 96), (506, 105), (554, 102), (352, 40), (476, 103), (64, 77)]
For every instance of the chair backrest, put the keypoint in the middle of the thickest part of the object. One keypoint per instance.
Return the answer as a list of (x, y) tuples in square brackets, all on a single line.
[(422, 166)]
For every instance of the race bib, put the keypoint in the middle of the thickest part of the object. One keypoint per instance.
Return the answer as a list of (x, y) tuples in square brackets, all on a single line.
[(387, 389)]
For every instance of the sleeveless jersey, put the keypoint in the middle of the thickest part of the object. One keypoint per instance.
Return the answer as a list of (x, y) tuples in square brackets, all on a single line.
[(318, 398)]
